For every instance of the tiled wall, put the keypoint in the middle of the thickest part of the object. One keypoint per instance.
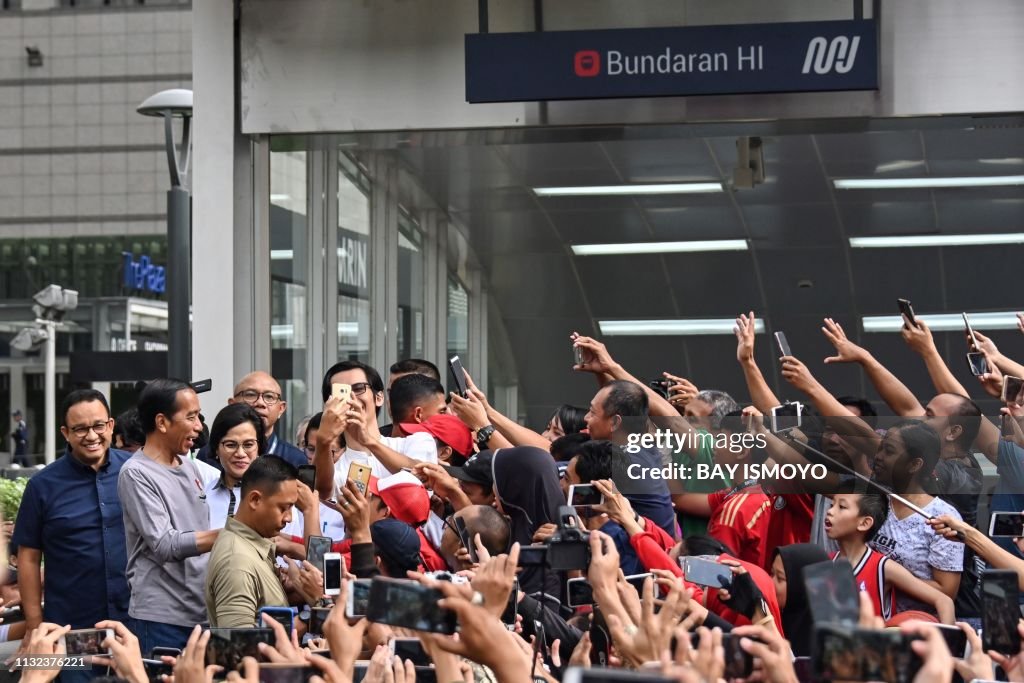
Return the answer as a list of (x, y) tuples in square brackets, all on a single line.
[(75, 157)]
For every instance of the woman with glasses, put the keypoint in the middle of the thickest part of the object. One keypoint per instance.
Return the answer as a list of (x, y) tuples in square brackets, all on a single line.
[(236, 439)]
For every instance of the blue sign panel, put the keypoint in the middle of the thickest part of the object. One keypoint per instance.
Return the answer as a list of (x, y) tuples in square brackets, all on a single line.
[(661, 62), (143, 275)]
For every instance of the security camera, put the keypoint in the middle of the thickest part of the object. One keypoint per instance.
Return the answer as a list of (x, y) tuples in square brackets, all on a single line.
[(749, 169)]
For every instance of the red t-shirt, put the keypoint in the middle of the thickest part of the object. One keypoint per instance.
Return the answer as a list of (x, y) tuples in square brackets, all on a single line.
[(764, 584), (740, 518), (790, 522)]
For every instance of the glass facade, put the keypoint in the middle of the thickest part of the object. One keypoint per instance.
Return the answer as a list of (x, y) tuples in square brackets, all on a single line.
[(354, 261), (410, 287)]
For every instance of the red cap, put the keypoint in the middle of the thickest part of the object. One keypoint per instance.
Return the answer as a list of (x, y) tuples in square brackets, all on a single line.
[(404, 495), (448, 428)]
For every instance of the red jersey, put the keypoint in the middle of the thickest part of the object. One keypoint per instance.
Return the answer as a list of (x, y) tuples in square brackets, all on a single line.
[(790, 522), (869, 573), (740, 518)]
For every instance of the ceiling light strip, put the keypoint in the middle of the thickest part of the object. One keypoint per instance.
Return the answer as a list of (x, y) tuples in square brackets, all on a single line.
[(627, 248), (914, 183), (944, 322), (671, 328), (896, 241), (604, 190)]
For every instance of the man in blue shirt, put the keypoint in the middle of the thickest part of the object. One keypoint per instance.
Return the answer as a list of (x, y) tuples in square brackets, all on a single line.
[(263, 393), (71, 516)]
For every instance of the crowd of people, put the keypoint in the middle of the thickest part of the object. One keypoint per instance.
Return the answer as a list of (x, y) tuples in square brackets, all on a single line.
[(159, 529)]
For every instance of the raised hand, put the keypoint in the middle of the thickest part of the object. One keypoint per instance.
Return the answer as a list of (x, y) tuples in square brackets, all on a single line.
[(846, 350), (744, 331)]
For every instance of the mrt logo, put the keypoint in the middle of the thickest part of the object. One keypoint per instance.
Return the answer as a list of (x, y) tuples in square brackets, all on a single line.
[(587, 63)]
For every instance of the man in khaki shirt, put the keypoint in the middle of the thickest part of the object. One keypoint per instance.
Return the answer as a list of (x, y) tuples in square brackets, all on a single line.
[(241, 577)]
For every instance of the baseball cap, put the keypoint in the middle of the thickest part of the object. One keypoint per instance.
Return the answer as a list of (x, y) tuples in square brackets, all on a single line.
[(477, 469), (398, 543), (405, 495), (449, 429)]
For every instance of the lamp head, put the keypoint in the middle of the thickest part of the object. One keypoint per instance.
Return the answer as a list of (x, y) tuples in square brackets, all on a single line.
[(178, 101)]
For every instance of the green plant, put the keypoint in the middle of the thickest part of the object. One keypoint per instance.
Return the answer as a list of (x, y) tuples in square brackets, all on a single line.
[(11, 491)]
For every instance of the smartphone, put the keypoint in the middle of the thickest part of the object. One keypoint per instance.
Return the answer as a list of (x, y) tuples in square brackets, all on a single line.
[(783, 344), (582, 495), (360, 474), (316, 548), (1000, 611), (1006, 524), (579, 592), (342, 392), (286, 673), (577, 355), (307, 476), (317, 617), (789, 414), (399, 602), (601, 674), (358, 597), (159, 652), (1013, 390), (533, 556), (907, 310), (467, 542), (86, 641), (508, 617), (282, 615), (637, 582), (955, 639), (856, 654), (455, 365), (706, 572), (227, 646), (411, 649), (660, 386), (977, 362), (332, 573), (970, 332), (834, 589), (201, 386)]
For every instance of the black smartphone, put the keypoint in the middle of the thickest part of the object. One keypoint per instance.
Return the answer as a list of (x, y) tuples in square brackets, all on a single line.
[(834, 590), (459, 375), (907, 310), (282, 615), (467, 542), (579, 592), (399, 602), (201, 386), (1000, 610), (533, 556), (426, 674), (738, 662), (843, 653), (411, 649), (159, 652), (660, 386), (317, 617), (706, 572), (508, 617), (977, 362), (307, 475), (783, 344), (227, 646), (1006, 524), (604, 675), (581, 495), (600, 640), (1013, 390), (956, 639), (316, 548), (286, 673)]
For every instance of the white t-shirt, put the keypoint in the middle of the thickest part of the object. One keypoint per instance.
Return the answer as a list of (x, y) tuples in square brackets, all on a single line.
[(420, 446), (332, 524), (915, 545), (208, 473)]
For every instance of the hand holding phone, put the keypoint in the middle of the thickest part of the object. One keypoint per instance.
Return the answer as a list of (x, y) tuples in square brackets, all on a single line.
[(332, 574), (1013, 390), (907, 310), (459, 375), (360, 474), (706, 572)]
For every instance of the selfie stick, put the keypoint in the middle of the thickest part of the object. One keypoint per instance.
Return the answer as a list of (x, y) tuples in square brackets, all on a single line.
[(787, 434)]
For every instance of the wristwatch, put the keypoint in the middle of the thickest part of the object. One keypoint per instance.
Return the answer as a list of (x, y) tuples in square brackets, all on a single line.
[(483, 435)]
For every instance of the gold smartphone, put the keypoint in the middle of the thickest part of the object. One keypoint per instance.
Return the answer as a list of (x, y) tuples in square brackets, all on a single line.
[(342, 392), (360, 474)]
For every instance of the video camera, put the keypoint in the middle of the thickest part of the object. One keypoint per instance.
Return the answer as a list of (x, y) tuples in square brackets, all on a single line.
[(569, 546)]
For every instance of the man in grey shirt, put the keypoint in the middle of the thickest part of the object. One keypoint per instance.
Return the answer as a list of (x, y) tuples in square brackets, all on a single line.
[(166, 519)]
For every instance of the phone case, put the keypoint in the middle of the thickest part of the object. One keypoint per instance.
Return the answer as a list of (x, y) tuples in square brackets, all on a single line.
[(341, 391)]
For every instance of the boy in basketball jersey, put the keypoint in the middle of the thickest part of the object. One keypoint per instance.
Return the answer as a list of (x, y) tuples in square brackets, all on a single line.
[(852, 521)]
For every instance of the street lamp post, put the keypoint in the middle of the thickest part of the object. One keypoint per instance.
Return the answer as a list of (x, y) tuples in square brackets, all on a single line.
[(171, 104)]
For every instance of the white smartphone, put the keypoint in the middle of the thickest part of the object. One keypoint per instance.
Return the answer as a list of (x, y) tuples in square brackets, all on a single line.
[(332, 573)]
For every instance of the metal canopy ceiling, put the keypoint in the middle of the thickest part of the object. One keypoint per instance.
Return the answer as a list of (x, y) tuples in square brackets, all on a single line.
[(797, 224)]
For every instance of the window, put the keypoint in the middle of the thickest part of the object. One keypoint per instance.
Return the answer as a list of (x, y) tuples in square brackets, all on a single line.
[(410, 287), (354, 261)]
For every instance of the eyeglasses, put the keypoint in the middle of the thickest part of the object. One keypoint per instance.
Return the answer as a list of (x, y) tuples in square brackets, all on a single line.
[(248, 445), (250, 396), (360, 387), (82, 431)]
